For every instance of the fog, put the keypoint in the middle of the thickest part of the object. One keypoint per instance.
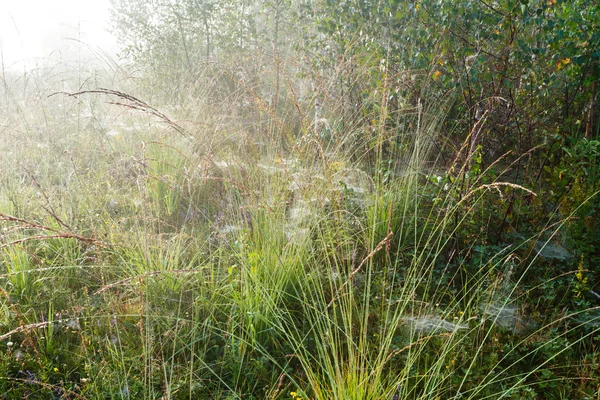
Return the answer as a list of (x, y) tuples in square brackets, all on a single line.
[(39, 32), (299, 199)]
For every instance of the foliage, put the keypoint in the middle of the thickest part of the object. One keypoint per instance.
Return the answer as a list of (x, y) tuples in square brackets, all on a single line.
[(309, 200)]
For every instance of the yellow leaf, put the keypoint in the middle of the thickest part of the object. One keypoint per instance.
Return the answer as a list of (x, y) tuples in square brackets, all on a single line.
[(561, 63)]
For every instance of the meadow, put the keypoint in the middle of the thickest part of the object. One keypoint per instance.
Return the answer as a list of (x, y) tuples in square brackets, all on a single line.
[(220, 241)]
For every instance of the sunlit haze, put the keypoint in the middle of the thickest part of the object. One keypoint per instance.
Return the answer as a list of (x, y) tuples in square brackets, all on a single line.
[(35, 32)]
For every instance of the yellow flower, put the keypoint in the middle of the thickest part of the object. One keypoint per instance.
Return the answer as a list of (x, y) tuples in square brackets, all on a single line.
[(55, 369), (580, 270), (335, 167), (436, 75)]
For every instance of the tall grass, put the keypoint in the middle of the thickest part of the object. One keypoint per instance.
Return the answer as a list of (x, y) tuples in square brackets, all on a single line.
[(262, 254)]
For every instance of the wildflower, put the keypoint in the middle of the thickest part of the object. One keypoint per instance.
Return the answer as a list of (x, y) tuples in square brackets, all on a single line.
[(55, 369), (580, 269)]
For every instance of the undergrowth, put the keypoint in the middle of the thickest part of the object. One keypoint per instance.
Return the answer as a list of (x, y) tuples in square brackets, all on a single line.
[(154, 256)]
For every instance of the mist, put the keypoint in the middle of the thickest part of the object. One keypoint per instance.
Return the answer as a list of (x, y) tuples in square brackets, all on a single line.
[(299, 199), (37, 33)]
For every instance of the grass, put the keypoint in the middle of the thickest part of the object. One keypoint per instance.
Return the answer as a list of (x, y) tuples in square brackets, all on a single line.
[(224, 263)]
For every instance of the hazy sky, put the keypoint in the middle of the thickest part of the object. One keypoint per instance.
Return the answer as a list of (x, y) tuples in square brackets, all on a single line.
[(33, 30)]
